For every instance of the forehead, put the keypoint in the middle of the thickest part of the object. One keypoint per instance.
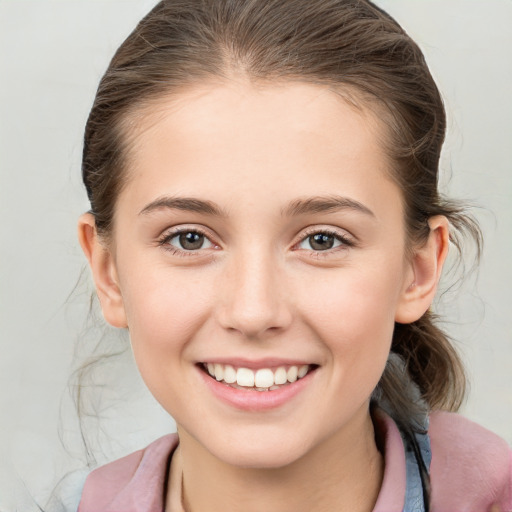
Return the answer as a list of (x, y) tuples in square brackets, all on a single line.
[(288, 139), (256, 111)]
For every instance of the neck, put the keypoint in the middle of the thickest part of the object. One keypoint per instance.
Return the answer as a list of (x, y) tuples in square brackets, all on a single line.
[(343, 473)]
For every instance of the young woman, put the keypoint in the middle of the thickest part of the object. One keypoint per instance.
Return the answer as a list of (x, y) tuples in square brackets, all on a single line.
[(265, 221)]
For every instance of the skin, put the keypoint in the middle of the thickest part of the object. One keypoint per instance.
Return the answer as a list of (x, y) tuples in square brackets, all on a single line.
[(257, 288)]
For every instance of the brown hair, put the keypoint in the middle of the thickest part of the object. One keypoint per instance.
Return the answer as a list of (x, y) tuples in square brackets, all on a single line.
[(351, 45)]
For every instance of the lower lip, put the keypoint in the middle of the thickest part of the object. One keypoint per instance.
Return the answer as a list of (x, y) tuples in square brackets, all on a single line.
[(252, 400)]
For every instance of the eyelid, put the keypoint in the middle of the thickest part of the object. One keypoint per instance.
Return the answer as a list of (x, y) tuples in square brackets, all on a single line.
[(346, 239), (171, 233)]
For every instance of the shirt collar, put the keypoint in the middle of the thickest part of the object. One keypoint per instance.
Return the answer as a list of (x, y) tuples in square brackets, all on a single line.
[(146, 490)]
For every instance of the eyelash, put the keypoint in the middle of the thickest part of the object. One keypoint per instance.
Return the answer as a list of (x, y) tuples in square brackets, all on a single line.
[(167, 237), (345, 241)]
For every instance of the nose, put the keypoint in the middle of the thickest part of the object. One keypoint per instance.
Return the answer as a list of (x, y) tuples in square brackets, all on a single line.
[(253, 297)]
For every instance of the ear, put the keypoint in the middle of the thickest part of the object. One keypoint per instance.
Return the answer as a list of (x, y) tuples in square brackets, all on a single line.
[(426, 266), (103, 270)]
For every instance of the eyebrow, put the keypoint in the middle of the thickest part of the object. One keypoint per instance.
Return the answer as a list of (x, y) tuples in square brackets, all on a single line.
[(324, 204), (309, 205), (189, 204)]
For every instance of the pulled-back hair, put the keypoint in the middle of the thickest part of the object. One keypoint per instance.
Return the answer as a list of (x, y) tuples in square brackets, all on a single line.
[(349, 45)]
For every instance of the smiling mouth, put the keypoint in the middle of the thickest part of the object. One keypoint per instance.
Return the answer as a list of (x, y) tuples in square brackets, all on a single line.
[(263, 379)]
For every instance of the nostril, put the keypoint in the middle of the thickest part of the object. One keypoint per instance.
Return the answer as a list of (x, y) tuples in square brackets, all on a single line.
[(254, 323), (254, 303)]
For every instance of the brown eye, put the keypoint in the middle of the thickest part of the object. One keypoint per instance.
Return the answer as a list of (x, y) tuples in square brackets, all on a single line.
[(190, 241), (321, 241), (324, 240)]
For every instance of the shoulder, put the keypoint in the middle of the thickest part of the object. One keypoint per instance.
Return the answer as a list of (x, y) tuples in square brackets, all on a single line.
[(471, 466), (136, 480)]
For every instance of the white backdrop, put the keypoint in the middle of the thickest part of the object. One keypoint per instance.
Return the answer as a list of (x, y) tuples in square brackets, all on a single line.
[(52, 55)]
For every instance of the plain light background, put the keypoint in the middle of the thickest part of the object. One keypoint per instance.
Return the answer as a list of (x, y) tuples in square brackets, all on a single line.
[(52, 55)]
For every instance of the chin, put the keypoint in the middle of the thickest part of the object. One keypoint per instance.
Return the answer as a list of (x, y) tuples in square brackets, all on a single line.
[(261, 458), (260, 451)]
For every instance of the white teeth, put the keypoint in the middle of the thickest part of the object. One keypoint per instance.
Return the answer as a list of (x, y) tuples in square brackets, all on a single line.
[(280, 376), (229, 374), (219, 371), (264, 378), (245, 377), (292, 373), (302, 371)]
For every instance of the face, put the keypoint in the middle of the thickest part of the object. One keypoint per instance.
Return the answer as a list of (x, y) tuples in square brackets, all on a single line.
[(259, 235)]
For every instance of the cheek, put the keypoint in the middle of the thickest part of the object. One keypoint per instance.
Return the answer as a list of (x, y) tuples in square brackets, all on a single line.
[(164, 310), (353, 313)]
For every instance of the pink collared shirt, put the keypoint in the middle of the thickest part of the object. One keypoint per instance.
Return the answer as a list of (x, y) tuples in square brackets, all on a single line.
[(471, 471)]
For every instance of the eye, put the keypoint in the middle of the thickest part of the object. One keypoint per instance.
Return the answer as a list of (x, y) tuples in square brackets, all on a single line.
[(187, 240), (323, 241)]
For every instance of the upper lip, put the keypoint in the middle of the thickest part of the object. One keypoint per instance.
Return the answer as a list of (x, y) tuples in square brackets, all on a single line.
[(255, 364)]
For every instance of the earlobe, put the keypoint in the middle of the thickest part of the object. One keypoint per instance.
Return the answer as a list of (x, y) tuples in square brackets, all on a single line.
[(426, 267), (103, 270)]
